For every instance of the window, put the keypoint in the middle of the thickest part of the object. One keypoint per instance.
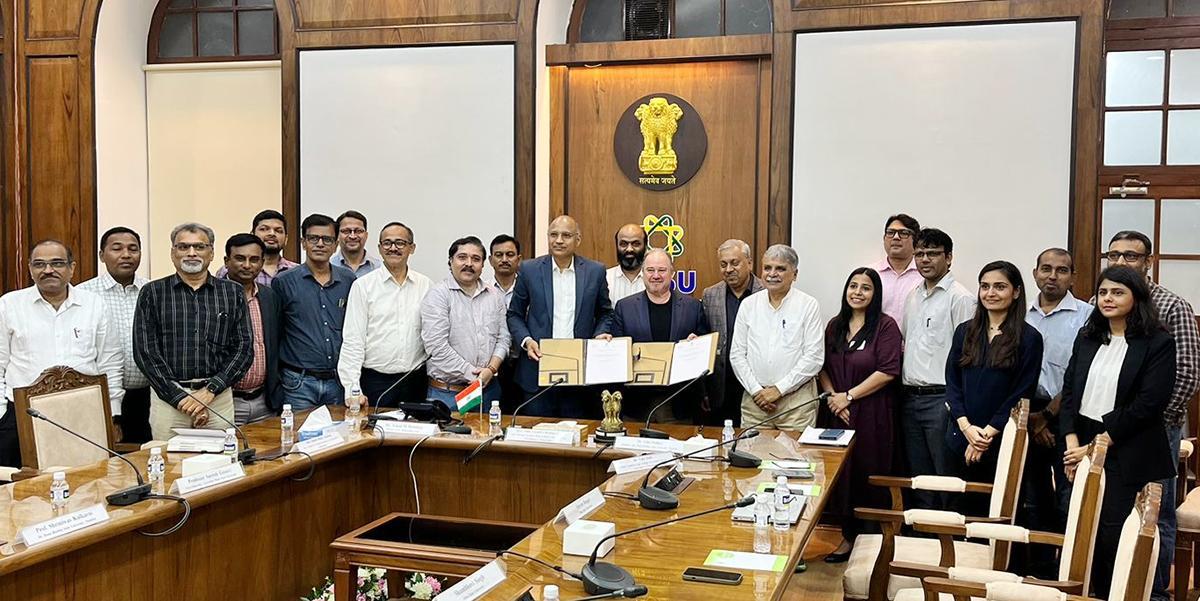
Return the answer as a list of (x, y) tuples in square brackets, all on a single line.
[(1152, 107), (616, 20), (213, 30), (1153, 9)]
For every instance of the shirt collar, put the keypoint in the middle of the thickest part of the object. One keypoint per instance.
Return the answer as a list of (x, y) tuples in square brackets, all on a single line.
[(883, 265), (480, 288), (107, 282), (340, 259), (1068, 303), (72, 297), (945, 283), (497, 286), (178, 281), (305, 272), (554, 266)]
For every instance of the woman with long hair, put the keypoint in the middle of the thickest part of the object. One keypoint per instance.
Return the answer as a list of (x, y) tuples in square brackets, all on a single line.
[(862, 358), (1119, 380)]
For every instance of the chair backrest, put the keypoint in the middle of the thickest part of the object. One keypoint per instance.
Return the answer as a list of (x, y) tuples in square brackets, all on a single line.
[(1137, 551), (1006, 485), (1083, 517), (75, 400)]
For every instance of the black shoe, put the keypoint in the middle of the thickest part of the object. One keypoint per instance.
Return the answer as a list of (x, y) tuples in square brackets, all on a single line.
[(838, 557)]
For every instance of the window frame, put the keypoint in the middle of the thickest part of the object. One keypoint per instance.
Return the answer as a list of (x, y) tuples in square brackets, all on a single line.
[(163, 9), (579, 11)]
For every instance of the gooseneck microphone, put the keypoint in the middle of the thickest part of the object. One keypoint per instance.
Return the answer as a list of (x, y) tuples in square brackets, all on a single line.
[(121, 498), (647, 431), (513, 422), (743, 459), (373, 416), (625, 593), (246, 455), (652, 497), (601, 577)]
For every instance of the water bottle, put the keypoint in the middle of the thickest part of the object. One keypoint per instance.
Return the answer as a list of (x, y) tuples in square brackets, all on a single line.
[(231, 446), (550, 593), (355, 406), (783, 498), (727, 435), (60, 491), (156, 470), (762, 524), (287, 427), (494, 419)]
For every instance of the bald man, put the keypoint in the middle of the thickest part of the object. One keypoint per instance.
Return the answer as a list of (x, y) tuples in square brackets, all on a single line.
[(625, 278), (560, 295)]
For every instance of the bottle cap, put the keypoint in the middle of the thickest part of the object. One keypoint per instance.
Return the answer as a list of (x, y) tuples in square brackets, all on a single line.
[(728, 423), (60, 475), (550, 593), (156, 451), (497, 404), (780, 480), (230, 432), (355, 391), (287, 407)]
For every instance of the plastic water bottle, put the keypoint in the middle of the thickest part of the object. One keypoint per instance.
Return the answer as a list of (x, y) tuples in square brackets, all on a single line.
[(727, 435), (762, 524), (353, 411), (494, 419), (156, 470), (231, 445), (550, 593), (782, 518), (287, 427), (60, 491)]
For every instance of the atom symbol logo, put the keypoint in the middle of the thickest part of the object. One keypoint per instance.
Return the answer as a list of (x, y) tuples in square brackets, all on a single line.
[(666, 227)]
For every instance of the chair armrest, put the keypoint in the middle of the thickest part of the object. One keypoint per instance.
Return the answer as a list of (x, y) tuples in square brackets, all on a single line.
[(890, 481), (1070, 587), (1035, 536), (127, 447), (919, 570), (879, 515), (8, 473), (943, 584)]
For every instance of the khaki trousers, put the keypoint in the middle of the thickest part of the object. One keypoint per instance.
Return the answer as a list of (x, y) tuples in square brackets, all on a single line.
[(796, 421), (164, 417)]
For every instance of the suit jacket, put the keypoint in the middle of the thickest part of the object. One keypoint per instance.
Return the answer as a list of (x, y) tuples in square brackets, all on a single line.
[(714, 308), (531, 311), (1140, 452), (268, 304), (631, 317)]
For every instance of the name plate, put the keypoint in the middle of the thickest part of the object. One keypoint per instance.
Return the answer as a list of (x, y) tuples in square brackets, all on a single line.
[(648, 445), (476, 585), (323, 442), (581, 507), (195, 482), (563, 437), (407, 428), (63, 525), (639, 463)]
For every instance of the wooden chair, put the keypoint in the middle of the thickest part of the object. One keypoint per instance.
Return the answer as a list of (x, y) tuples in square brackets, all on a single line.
[(75, 400), (869, 573), (1133, 568), (1187, 521)]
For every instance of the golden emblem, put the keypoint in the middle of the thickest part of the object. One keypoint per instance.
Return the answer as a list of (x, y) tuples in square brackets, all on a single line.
[(611, 425), (660, 121)]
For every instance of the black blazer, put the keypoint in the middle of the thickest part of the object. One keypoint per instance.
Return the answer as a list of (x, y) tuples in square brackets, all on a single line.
[(268, 304), (1140, 451), (631, 318)]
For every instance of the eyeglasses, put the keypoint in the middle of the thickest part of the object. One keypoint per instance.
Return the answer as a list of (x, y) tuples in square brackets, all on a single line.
[(903, 234), (318, 240), (57, 265), (930, 254), (401, 244), (353, 231), (186, 246), (1127, 256)]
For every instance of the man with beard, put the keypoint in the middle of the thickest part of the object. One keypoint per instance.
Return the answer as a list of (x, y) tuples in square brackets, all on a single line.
[(721, 303), (255, 396), (382, 338), (52, 323), (625, 278), (463, 328), (191, 337), (271, 228)]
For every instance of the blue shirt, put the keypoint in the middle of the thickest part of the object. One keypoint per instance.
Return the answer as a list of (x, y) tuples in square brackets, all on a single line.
[(369, 264), (986, 395), (1058, 328), (312, 316)]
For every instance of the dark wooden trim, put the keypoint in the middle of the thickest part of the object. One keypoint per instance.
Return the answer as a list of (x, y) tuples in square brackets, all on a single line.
[(525, 136), (660, 51), (289, 72), (779, 199), (163, 9), (578, 8)]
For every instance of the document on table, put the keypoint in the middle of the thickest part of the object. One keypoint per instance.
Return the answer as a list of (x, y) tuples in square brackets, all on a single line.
[(740, 560), (692, 357), (608, 361)]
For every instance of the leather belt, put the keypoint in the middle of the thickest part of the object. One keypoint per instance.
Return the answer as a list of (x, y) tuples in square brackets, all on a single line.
[(248, 394), (448, 387), (320, 374), (195, 384), (924, 390)]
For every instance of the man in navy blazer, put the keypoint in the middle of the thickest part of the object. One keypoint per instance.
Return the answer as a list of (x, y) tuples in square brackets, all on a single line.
[(560, 295)]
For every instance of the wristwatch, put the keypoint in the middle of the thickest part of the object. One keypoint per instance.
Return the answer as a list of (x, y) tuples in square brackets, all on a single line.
[(849, 397)]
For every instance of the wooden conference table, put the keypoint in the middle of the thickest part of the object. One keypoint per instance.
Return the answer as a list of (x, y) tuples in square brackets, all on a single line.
[(267, 536)]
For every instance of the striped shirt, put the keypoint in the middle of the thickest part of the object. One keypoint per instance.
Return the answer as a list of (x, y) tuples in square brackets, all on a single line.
[(120, 301), (1180, 320), (183, 334), (256, 376)]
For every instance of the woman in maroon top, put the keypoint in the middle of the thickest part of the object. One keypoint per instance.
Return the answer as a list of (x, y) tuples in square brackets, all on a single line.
[(862, 357)]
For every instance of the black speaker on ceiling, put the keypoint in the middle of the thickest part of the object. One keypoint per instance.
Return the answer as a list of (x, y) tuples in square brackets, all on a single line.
[(647, 19)]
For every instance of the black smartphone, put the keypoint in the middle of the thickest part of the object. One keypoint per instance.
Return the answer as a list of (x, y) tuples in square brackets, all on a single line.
[(712, 576), (831, 434)]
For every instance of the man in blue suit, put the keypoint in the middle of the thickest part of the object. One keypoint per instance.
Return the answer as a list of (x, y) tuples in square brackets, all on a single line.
[(660, 314), (559, 295)]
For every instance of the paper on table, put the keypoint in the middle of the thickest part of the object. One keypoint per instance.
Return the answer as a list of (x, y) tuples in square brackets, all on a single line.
[(812, 435), (746, 561), (608, 361), (692, 357), (317, 420)]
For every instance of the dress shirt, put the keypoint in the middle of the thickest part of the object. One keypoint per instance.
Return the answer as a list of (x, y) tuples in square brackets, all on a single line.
[(620, 286), (930, 317), (264, 278), (1058, 328), (120, 301), (897, 286), (256, 376), (369, 264), (383, 326), (1100, 392), (507, 293), (783, 347), (1180, 320), (564, 300), (34, 337), (312, 316), (182, 334), (462, 332)]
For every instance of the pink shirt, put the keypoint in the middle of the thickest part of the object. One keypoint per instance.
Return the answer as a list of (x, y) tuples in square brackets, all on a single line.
[(896, 287)]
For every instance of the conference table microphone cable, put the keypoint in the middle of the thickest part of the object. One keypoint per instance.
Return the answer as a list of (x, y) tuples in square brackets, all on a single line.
[(187, 513), (312, 466), (558, 569), (413, 473)]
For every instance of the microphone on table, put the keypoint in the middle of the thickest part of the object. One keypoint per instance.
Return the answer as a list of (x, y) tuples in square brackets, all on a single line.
[(246, 455), (372, 417), (602, 577), (647, 431), (743, 459), (123, 497), (652, 497), (625, 593), (513, 422)]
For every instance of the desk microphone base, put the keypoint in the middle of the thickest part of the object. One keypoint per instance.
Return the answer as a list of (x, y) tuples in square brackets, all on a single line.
[(601, 577)]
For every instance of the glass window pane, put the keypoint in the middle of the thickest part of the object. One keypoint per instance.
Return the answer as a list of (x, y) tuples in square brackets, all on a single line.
[(209, 3), (603, 22), (1180, 233), (747, 16), (1133, 138), (1182, 278), (1187, 8), (256, 32), (269, 3), (1183, 137), (697, 18), (216, 34), (175, 39), (1125, 214), (180, 4), (1185, 76), (1137, 9), (1134, 78)]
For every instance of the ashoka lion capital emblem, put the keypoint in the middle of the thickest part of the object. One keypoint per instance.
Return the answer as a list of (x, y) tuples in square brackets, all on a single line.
[(660, 121)]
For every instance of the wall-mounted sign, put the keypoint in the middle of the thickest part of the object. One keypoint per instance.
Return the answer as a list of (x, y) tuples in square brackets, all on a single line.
[(660, 142), (663, 233)]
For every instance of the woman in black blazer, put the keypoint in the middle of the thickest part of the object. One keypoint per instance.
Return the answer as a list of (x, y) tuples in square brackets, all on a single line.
[(1118, 382)]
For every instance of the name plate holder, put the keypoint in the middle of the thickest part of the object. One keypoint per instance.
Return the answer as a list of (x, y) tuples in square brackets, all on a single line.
[(195, 482), (323, 442), (541, 436), (407, 428), (62, 525), (476, 585), (581, 507), (648, 445), (639, 463)]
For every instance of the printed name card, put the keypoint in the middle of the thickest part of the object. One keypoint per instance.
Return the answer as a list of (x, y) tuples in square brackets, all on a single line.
[(563, 437), (648, 445), (323, 442), (221, 475), (581, 507), (476, 585), (407, 428), (63, 525), (639, 463)]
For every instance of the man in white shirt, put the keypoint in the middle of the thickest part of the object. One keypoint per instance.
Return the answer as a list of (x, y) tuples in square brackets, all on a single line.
[(381, 339), (625, 278), (931, 313), (48, 324), (118, 285), (778, 346)]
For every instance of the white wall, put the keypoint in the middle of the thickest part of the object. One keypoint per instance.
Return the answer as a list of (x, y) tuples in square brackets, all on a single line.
[(552, 20)]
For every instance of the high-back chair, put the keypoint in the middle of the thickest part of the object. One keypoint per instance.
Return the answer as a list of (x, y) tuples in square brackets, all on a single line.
[(75, 400)]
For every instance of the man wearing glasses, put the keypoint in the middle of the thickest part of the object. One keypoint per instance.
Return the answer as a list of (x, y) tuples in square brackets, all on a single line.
[(352, 236), (312, 304), (1134, 249), (383, 326), (52, 323), (897, 270), (191, 337)]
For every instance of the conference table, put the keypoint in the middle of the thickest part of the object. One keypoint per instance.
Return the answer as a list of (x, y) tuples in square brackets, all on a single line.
[(267, 535)]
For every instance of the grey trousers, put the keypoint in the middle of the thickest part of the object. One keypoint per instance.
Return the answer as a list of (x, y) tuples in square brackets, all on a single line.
[(923, 422)]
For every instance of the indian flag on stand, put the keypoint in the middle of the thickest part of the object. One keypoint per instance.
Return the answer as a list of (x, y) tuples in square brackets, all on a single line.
[(469, 398)]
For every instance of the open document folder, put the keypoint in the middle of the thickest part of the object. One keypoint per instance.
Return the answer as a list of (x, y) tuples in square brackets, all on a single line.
[(664, 363), (577, 361)]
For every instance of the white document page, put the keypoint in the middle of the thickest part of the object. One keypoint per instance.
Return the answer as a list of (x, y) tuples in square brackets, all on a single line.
[(691, 358), (608, 361)]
